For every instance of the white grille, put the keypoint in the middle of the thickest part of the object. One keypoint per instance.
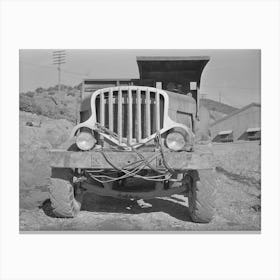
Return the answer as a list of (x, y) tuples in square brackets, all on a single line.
[(133, 113)]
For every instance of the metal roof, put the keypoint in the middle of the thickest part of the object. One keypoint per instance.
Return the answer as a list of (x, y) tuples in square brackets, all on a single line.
[(253, 129), (225, 132)]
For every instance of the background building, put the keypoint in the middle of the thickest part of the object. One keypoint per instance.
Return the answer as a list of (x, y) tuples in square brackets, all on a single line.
[(242, 124)]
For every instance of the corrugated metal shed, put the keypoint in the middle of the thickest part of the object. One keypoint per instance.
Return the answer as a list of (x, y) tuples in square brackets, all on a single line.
[(242, 123)]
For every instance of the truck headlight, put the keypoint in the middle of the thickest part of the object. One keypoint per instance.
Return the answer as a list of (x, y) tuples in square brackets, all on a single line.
[(85, 141), (175, 141)]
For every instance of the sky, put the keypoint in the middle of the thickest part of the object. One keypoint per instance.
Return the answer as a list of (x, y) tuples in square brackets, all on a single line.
[(233, 76)]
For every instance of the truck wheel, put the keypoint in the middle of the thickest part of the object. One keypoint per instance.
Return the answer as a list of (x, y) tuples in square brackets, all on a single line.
[(61, 193), (201, 196)]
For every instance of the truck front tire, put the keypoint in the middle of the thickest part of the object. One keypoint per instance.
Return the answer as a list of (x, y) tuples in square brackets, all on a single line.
[(201, 196), (61, 191)]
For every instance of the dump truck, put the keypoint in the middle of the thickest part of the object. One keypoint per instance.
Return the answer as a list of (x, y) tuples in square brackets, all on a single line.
[(138, 139)]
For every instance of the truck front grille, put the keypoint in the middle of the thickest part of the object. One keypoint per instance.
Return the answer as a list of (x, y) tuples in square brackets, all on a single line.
[(133, 113)]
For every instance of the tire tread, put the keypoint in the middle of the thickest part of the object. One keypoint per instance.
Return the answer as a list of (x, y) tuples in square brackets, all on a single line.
[(202, 196), (61, 193)]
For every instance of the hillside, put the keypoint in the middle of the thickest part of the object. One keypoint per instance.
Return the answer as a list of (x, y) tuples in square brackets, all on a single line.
[(213, 105), (216, 109), (51, 103)]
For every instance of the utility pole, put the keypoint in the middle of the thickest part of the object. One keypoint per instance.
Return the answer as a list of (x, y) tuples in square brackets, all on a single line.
[(59, 57)]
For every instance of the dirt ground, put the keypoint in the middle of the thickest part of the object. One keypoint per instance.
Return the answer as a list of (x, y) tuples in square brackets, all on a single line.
[(238, 208), (238, 203)]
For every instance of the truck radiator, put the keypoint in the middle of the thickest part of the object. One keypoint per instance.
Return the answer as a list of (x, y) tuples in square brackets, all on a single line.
[(132, 113)]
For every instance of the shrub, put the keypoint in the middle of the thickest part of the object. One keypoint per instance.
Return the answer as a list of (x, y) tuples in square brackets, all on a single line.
[(25, 103), (39, 90), (30, 94)]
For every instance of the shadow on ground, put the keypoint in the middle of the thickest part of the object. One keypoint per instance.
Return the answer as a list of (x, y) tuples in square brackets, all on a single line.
[(101, 204)]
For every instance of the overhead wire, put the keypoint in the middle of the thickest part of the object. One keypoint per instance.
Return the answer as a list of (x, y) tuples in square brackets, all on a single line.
[(143, 162), (53, 67)]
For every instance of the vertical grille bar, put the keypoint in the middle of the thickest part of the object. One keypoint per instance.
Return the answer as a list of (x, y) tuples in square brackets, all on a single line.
[(153, 113), (129, 126), (102, 111), (110, 105), (120, 121), (157, 115), (138, 115), (133, 113), (148, 114)]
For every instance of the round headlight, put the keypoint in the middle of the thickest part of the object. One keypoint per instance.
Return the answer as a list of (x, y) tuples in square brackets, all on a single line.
[(85, 141), (175, 141)]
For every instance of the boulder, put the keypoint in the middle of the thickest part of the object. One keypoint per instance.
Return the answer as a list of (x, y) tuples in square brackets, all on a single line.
[(35, 143)]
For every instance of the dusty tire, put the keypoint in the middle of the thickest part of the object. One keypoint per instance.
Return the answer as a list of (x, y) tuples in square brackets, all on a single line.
[(61, 191), (201, 196)]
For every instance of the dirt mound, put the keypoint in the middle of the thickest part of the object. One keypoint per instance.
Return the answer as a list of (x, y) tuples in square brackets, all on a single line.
[(38, 134)]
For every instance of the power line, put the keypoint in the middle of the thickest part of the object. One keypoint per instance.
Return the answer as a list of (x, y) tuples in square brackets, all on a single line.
[(51, 67), (59, 57)]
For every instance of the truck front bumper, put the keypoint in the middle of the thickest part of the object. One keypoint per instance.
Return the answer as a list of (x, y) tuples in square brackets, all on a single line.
[(179, 161)]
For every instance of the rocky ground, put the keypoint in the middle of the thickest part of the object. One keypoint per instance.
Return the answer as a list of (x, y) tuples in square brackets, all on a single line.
[(238, 191)]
